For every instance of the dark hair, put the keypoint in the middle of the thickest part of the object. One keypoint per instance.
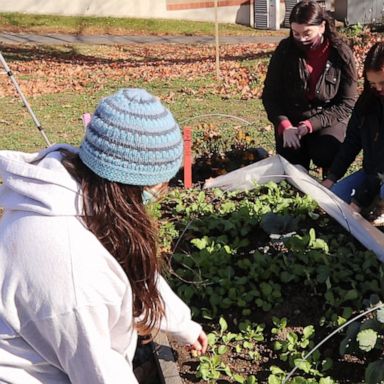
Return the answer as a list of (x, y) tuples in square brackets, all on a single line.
[(307, 12), (311, 13), (374, 61), (115, 214)]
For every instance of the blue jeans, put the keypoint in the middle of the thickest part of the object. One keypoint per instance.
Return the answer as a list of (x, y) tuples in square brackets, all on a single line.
[(346, 187)]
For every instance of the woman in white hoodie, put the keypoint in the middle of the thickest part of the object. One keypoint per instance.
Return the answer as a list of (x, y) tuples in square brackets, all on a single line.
[(79, 269)]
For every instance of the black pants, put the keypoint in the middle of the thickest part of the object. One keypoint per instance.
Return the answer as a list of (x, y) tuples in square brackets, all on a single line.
[(321, 149)]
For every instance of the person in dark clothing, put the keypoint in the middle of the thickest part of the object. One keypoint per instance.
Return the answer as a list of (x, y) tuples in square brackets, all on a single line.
[(365, 132), (310, 88)]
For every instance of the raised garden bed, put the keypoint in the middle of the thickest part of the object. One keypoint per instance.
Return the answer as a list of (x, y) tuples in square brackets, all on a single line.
[(269, 275), (154, 362)]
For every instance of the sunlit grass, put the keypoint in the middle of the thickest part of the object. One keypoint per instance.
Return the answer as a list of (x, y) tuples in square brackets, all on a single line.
[(20, 22)]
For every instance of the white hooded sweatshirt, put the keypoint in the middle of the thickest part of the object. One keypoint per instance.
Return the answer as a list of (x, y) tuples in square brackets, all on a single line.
[(65, 302)]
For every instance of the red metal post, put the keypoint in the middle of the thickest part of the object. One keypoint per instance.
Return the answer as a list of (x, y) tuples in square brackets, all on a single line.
[(187, 133)]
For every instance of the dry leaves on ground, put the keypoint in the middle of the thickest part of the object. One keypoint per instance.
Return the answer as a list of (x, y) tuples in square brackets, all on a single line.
[(41, 71)]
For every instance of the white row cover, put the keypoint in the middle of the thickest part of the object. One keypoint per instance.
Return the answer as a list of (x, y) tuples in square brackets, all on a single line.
[(275, 169)]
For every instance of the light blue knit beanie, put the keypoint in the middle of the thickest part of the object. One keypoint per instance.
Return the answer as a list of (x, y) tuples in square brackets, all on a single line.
[(132, 139)]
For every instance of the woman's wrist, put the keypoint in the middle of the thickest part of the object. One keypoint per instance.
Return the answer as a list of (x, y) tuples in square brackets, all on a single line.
[(303, 130), (307, 124), (327, 183), (283, 125), (355, 206)]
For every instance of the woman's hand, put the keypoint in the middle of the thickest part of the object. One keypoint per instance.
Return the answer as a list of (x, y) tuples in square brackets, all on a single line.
[(200, 345), (355, 207), (327, 183), (291, 138), (302, 130)]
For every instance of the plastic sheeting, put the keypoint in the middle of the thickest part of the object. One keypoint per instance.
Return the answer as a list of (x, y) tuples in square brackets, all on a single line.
[(275, 169)]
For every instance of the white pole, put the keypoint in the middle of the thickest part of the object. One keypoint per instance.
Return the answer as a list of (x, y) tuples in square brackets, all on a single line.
[(252, 13), (23, 99)]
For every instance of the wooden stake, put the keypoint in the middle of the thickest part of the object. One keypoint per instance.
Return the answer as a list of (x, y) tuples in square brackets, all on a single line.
[(217, 41)]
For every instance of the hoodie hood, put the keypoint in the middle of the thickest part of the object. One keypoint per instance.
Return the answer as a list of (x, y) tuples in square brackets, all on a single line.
[(38, 182)]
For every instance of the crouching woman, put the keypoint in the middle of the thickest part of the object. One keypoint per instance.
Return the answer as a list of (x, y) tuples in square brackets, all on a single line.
[(310, 88), (79, 267), (365, 131)]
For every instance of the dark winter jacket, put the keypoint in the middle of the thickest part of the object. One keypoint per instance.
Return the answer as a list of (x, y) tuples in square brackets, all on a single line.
[(284, 94), (365, 132)]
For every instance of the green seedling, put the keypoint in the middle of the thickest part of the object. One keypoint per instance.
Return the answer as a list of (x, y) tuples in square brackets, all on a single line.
[(279, 325), (211, 368)]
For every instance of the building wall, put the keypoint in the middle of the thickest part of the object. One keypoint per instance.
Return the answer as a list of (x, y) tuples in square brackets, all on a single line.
[(229, 11)]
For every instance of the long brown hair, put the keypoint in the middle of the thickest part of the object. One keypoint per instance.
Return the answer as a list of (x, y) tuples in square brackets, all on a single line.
[(115, 214)]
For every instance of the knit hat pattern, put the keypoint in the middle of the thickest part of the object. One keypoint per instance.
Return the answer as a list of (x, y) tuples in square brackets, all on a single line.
[(132, 139)]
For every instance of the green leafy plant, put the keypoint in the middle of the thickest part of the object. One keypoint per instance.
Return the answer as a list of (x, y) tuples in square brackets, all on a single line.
[(211, 368), (230, 265), (293, 346), (279, 325), (367, 336)]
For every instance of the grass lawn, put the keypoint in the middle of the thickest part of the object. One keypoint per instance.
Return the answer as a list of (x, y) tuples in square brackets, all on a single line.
[(64, 82), (61, 83)]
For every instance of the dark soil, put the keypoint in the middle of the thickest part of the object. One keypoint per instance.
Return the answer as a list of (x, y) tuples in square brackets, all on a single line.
[(301, 310), (212, 165), (300, 305)]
